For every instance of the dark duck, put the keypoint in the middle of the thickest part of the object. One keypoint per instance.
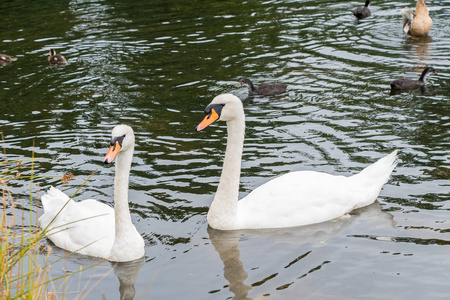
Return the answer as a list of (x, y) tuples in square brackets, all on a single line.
[(6, 59), (406, 84), (264, 89), (362, 12), (56, 59)]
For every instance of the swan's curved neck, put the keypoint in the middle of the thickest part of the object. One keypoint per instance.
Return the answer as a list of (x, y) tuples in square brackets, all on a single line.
[(222, 213), (121, 209)]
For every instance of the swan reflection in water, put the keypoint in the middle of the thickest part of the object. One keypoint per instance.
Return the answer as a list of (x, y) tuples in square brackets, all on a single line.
[(127, 273), (226, 243)]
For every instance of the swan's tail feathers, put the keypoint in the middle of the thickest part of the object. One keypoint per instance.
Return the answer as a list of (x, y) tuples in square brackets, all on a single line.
[(54, 199), (372, 178), (381, 170)]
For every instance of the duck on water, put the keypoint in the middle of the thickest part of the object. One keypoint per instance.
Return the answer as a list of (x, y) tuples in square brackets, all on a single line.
[(362, 12), (406, 84), (264, 89)]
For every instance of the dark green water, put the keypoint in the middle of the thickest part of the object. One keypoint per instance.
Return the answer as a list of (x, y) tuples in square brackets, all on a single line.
[(155, 65)]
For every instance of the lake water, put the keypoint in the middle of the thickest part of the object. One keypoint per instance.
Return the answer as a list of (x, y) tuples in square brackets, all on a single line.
[(155, 65)]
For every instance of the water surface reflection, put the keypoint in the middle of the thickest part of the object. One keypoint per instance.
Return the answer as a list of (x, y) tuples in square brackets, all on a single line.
[(226, 243), (127, 273)]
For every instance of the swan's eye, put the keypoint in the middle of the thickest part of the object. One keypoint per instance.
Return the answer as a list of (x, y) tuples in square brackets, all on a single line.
[(118, 139), (216, 107)]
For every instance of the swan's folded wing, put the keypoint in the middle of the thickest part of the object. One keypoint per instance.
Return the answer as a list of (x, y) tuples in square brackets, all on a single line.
[(298, 198), (85, 227)]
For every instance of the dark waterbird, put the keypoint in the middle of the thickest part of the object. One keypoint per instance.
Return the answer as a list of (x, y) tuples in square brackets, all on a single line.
[(56, 59), (362, 12), (6, 59), (406, 84), (264, 89)]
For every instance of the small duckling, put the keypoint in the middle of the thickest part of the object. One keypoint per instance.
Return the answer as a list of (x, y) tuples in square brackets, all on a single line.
[(406, 84), (6, 59), (416, 23), (264, 89), (56, 59), (362, 12)]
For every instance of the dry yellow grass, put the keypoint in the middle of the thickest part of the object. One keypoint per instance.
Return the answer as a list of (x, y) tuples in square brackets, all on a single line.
[(24, 260)]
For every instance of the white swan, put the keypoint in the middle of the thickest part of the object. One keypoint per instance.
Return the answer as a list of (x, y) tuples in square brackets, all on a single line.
[(293, 199), (91, 227)]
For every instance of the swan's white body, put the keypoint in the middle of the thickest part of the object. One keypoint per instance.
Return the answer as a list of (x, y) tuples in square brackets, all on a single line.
[(90, 227), (294, 199)]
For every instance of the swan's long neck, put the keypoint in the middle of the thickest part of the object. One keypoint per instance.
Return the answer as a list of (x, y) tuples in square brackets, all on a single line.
[(122, 211), (222, 213)]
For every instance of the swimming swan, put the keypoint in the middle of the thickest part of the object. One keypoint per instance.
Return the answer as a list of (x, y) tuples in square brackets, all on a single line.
[(293, 199), (90, 227)]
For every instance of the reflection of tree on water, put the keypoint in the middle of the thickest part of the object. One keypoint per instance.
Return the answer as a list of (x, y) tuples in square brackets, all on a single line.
[(226, 243), (127, 273)]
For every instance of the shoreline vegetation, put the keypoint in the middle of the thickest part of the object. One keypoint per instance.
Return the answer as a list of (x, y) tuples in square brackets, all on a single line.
[(24, 258)]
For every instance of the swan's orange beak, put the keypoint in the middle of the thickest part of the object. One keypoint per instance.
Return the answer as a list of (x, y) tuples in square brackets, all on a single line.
[(208, 120), (112, 152)]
